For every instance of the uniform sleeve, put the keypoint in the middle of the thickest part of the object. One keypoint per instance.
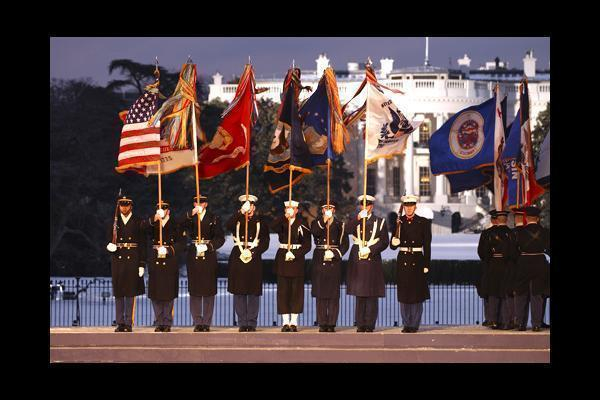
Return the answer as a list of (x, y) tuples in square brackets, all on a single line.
[(109, 236), (142, 243), (351, 225), (344, 242), (546, 236), (317, 229), (263, 237), (306, 241), (384, 239), (218, 237), (482, 246), (427, 243), (391, 245)]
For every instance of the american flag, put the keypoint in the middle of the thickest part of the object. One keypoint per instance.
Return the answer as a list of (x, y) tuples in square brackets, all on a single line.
[(140, 143)]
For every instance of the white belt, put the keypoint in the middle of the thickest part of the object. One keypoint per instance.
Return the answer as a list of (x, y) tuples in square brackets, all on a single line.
[(292, 246), (411, 249)]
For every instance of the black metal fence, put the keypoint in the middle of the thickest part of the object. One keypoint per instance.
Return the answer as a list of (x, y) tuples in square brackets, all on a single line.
[(89, 302)]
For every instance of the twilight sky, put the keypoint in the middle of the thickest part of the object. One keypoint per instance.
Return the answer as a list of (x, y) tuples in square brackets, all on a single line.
[(83, 57)]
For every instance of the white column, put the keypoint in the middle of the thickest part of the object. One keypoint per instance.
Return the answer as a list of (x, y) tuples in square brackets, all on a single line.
[(409, 180), (381, 185), (470, 198), (440, 193)]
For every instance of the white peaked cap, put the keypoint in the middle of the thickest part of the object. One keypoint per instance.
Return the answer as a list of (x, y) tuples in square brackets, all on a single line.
[(292, 203), (369, 198), (409, 198), (250, 198)]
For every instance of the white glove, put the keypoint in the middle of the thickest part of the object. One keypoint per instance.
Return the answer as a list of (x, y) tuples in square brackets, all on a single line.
[(328, 255), (111, 247), (328, 213), (364, 252), (363, 214), (289, 256), (289, 212), (141, 271), (161, 213), (395, 241), (245, 207), (426, 270), (197, 210), (201, 248), (246, 256), (162, 250)]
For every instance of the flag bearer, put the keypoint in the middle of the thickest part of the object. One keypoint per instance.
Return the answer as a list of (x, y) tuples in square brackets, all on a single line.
[(532, 275), (365, 270), (496, 249), (289, 264), (163, 283), (519, 218), (127, 243), (327, 266), (413, 238), (202, 261), (483, 280), (245, 263)]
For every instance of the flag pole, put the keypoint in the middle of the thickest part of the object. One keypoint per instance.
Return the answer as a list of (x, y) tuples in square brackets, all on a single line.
[(364, 220), (194, 141), (159, 206), (246, 214), (328, 206), (289, 243)]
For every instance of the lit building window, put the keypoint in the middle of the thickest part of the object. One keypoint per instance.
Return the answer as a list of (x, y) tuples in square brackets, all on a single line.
[(396, 177), (424, 133), (424, 181)]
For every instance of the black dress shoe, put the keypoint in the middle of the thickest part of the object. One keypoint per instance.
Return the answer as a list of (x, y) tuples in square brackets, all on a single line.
[(198, 328), (331, 328), (405, 329), (206, 328), (293, 328), (545, 325), (120, 328), (369, 329), (360, 329), (128, 328), (285, 328), (242, 329), (414, 330), (486, 323), (522, 328), (250, 329), (167, 328), (323, 328), (536, 328), (159, 328)]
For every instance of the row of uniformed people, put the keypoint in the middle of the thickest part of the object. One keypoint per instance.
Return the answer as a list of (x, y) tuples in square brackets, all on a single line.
[(515, 272), (364, 276)]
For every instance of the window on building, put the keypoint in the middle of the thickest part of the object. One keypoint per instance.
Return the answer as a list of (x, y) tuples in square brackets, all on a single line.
[(424, 181), (396, 181), (372, 180), (424, 133)]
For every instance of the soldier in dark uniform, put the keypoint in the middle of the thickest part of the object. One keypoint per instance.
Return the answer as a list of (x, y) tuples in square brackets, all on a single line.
[(163, 283), (327, 266), (128, 260), (532, 270), (519, 216), (496, 249), (245, 264), (413, 237), (365, 271), (289, 265), (202, 261), (483, 280)]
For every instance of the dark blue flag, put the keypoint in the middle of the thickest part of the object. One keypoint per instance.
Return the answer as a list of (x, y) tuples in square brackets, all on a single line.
[(463, 148)]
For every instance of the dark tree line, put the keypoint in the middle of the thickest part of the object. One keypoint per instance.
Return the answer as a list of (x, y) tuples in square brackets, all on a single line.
[(85, 133)]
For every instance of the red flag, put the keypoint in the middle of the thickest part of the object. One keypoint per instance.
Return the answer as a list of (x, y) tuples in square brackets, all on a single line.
[(230, 146)]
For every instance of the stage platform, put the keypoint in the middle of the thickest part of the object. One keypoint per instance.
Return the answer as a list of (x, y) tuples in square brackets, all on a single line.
[(432, 344)]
